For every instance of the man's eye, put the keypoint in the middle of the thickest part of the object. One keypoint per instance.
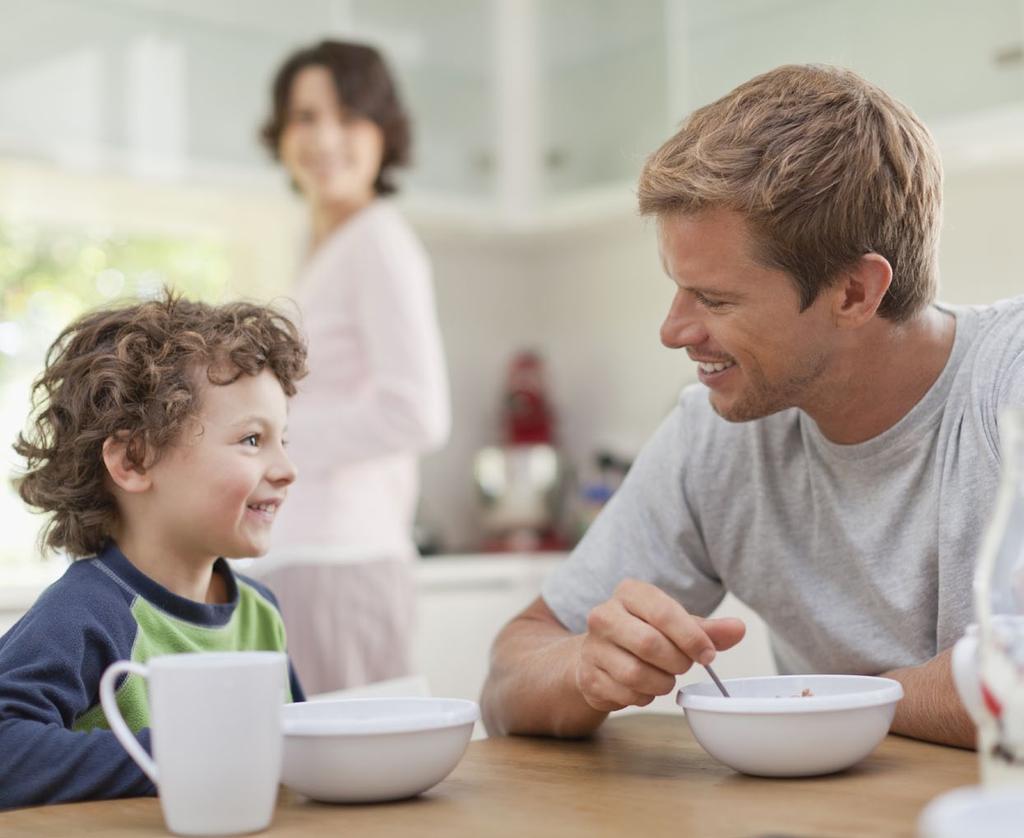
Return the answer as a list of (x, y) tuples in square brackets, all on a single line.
[(252, 439), (709, 303)]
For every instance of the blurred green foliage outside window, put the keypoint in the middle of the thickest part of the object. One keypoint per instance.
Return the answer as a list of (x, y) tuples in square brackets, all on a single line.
[(48, 276)]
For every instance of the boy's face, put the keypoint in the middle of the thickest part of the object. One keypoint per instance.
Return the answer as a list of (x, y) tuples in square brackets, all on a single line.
[(217, 491)]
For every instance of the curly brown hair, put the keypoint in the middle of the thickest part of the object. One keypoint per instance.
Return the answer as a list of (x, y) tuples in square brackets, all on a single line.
[(135, 371)]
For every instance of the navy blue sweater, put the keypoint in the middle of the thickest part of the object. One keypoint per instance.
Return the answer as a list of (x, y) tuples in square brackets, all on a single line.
[(55, 745)]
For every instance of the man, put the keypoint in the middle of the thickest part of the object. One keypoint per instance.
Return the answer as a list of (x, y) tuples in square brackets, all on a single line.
[(836, 464)]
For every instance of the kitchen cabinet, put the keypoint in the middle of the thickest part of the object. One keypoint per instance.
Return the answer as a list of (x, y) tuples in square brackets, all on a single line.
[(528, 113), (959, 65), (944, 58), (517, 104), (462, 602)]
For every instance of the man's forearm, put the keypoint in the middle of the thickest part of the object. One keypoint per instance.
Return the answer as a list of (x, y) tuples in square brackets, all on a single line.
[(931, 708), (531, 687)]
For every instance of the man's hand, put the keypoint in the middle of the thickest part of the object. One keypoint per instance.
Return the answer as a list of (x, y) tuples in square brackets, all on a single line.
[(639, 640)]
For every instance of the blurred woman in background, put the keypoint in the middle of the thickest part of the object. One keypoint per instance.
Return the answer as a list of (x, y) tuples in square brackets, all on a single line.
[(377, 393)]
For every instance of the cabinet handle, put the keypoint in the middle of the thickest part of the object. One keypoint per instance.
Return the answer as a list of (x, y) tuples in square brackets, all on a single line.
[(1012, 55), (482, 161), (555, 159)]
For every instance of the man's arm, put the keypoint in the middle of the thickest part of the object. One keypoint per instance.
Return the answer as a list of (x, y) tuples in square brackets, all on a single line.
[(931, 708), (531, 686), (545, 680)]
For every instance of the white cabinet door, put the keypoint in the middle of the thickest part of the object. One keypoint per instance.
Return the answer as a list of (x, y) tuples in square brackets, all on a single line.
[(604, 91), (941, 57), (464, 603)]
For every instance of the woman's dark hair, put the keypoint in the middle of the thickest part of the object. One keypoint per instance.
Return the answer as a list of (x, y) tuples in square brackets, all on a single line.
[(365, 88)]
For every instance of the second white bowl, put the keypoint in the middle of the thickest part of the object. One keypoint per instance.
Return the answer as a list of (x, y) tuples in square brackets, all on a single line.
[(364, 750), (770, 728)]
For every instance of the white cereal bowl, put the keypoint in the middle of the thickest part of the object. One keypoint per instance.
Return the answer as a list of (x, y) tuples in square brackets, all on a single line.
[(971, 811), (366, 750), (768, 728)]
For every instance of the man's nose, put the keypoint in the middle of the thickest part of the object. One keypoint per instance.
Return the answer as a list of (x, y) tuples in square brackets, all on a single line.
[(682, 326)]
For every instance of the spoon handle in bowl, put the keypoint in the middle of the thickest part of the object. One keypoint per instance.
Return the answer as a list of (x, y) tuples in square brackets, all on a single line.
[(718, 683)]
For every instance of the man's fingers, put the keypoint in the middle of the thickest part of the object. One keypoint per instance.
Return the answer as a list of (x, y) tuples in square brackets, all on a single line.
[(615, 624), (635, 674), (602, 692), (658, 609), (725, 632)]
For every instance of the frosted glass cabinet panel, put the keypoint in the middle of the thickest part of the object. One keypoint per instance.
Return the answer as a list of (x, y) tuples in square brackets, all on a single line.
[(519, 105), (144, 85), (443, 54), (944, 58), (604, 90)]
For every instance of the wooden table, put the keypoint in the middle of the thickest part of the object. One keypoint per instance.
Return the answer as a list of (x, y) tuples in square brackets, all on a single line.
[(641, 775)]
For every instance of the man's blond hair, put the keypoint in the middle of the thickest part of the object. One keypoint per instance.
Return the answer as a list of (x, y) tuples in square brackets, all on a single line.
[(825, 167)]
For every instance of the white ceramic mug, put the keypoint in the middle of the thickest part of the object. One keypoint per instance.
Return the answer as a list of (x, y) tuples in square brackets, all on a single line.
[(215, 730)]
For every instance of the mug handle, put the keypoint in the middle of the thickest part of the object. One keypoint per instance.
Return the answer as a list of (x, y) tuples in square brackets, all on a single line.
[(116, 720)]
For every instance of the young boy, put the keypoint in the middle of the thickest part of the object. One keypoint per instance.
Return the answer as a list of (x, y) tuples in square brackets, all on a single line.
[(157, 448)]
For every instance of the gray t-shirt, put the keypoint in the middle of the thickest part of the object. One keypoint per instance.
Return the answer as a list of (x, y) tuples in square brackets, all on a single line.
[(859, 558)]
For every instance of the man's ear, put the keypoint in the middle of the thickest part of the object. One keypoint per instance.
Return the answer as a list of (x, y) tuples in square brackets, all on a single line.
[(860, 290), (126, 475)]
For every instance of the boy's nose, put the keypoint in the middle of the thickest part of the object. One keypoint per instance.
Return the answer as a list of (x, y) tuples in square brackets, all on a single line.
[(283, 472)]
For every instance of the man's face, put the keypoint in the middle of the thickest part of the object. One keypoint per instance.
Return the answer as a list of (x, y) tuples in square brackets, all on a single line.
[(740, 321)]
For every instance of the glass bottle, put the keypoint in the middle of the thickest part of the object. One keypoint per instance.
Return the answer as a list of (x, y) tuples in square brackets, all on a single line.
[(999, 606)]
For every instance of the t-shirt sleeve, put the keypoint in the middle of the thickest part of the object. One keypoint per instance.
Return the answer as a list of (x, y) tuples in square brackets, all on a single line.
[(1005, 367), (50, 666), (647, 531), (1011, 390)]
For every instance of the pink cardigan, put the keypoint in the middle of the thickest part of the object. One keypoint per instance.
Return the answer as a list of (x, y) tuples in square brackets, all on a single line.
[(375, 398)]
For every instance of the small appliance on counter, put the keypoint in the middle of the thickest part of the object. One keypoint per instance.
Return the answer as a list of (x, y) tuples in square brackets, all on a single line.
[(522, 482)]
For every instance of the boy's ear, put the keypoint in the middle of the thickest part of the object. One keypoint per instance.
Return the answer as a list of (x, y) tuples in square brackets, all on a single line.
[(126, 475)]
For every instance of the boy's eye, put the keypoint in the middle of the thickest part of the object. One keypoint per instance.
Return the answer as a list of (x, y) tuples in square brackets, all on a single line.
[(251, 439)]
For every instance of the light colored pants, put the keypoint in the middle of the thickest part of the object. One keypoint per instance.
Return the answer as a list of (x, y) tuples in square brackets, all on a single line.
[(347, 624)]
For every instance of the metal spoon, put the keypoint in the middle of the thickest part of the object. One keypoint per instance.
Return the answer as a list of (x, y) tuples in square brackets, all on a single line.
[(718, 683)]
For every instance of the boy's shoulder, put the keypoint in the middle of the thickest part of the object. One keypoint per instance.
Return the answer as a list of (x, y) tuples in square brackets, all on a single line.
[(86, 586), (87, 603)]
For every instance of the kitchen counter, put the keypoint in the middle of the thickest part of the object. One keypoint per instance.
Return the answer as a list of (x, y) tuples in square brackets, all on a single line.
[(505, 582), (464, 600)]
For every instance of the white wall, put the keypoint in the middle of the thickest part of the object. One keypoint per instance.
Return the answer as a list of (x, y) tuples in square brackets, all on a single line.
[(982, 248), (592, 300)]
